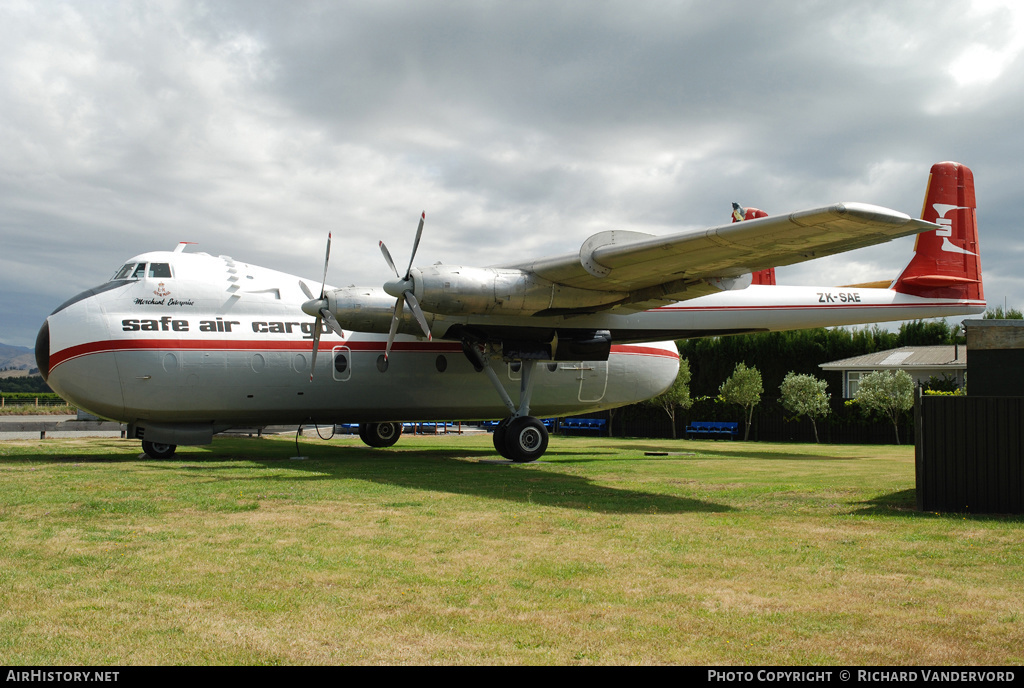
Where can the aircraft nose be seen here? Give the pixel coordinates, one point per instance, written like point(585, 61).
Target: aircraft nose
point(43, 350)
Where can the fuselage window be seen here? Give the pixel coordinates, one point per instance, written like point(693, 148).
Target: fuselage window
point(140, 271)
point(160, 270)
point(341, 363)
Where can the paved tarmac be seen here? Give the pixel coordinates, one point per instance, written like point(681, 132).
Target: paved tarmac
point(54, 427)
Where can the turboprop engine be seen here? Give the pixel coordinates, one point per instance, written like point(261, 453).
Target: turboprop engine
point(459, 290)
point(366, 310)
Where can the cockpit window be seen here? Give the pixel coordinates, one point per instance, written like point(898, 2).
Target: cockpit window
point(159, 269)
point(125, 272)
point(140, 271)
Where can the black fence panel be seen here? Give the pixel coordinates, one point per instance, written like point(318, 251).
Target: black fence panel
point(969, 454)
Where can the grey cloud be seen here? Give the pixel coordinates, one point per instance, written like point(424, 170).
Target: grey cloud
point(256, 127)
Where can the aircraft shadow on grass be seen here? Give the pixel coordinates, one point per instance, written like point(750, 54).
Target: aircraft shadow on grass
point(441, 470)
point(446, 471)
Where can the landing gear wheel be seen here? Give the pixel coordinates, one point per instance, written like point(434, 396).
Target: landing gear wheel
point(156, 450)
point(499, 438)
point(526, 439)
point(380, 434)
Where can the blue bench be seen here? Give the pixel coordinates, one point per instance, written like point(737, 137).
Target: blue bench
point(582, 425)
point(713, 430)
point(410, 428)
point(429, 428)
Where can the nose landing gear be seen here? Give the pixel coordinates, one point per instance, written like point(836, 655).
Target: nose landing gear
point(158, 450)
point(380, 435)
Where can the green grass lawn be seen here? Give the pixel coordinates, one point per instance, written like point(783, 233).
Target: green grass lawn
point(739, 553)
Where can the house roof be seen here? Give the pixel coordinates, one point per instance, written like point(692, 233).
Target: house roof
point(905, 358)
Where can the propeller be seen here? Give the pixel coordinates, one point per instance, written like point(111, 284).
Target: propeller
point(401, 288)
point(319, 308)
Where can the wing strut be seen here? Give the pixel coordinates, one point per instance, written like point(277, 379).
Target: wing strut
point(483, 363)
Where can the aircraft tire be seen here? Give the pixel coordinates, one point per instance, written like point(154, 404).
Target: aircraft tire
point(499, 438)
point(380, 435)
point(526, 439)
point(156, 450)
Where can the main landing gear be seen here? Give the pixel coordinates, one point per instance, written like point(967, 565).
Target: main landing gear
point(520, 437)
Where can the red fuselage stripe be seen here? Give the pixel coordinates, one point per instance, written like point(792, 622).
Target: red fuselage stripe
point(303, 346)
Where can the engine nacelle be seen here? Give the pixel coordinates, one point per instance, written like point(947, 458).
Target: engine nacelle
point(459, 290)
point(369, 310)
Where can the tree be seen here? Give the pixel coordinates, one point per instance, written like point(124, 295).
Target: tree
point(676, 396)
point(32, 383)
point(805, 395)
point(887, 392)
point(743, 388)
point(947, 383)
point(926, 333)
point(998, 314)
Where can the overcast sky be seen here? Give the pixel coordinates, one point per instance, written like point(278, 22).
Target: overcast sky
point(254, 128)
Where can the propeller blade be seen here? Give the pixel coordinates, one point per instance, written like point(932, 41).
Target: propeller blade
point(394, 328)
point(416, 244)
point(316, 345)
point(387, 257)
point(414, 306)
point(318, 307)
point(332, 322)
point(327, 258)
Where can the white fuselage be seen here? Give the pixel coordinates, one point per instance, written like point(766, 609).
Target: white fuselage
point(227, 343)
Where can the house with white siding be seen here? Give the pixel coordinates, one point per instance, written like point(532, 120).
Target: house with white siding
point(921, 362)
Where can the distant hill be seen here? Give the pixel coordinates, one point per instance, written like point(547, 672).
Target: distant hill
point(16, 358)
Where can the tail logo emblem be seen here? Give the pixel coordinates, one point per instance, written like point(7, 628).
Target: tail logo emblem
point(946, 230)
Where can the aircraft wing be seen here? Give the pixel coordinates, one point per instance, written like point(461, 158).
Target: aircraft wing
point(650, 268)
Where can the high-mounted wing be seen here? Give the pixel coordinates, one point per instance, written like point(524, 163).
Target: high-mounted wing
point(621, 271)
point(645, 267)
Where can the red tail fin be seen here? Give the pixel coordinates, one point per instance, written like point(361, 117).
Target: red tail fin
point(739, 214)
point(946, 262)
